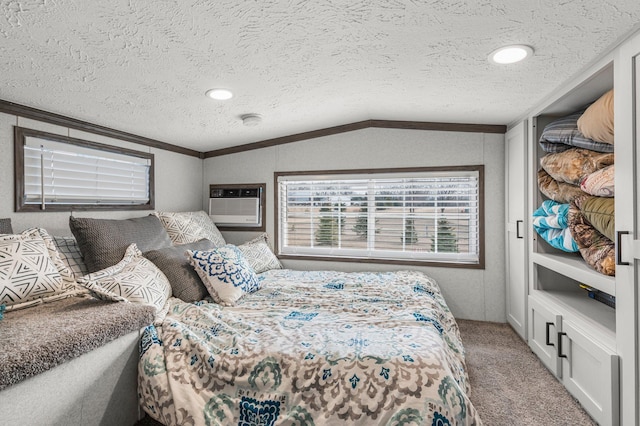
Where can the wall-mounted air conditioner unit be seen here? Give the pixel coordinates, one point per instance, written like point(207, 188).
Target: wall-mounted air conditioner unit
point(234, 206)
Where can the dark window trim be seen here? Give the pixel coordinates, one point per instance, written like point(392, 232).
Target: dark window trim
point(72, 123)
point(20, 135)
point(263, 206)
point(481, 245)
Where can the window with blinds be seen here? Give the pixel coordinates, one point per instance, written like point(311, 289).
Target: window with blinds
point(61, 173)
point(424, 215)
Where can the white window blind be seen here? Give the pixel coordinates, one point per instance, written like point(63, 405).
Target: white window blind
point(59, 173)
point(421, 216)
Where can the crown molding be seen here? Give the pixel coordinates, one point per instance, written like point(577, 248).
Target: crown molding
point(386, 124)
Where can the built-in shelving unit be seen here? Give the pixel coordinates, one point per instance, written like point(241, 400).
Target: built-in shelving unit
point(591, 347)
point(574, 335)
point(564, 272)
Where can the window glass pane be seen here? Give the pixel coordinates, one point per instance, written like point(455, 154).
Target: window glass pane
point(430, 216)
point(61, 171)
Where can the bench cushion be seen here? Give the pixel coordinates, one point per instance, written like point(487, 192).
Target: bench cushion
point(39, 338)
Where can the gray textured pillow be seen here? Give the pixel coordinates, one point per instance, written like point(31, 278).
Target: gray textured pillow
point(185, 282)
point(103, 242)
point(5, 226)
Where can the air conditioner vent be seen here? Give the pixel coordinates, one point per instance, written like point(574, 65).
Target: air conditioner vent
point(236, 206)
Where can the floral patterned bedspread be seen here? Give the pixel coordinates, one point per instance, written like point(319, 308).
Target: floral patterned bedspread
point(310, 348)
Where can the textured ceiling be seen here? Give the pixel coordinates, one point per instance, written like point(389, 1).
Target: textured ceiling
point(143, 66)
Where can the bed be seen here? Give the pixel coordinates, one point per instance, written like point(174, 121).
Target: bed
point(250, 343)
point(310, 347)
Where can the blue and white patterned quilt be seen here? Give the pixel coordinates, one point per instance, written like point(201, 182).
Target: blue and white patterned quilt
point(310, 348)
point(550, 222)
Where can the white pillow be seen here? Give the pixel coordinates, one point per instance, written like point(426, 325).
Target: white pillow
point(134, 279)
point(66, 273)
point(189, 227)
point(26, 271)
point(31, 270)
point(259, 254)
point(225, 272)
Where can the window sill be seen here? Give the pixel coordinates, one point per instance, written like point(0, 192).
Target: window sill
point(385, 261)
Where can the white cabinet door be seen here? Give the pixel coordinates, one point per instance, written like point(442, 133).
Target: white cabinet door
point(544, 326)
point(627, 160)
point(590, 373)
point(516, 262)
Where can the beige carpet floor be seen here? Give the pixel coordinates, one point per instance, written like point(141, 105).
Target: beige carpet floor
point(509, 384)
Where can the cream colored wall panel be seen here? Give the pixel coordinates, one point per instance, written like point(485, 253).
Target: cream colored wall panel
point(494, 188)
point(178, 181)
point(6, 164)
point(380, 148)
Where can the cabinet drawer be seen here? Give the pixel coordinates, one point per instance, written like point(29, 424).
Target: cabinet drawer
point(590, 373)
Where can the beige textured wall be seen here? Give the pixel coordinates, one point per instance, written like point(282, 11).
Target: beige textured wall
point(470, 293)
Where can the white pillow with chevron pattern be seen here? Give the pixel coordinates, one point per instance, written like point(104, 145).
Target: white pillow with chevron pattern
point(189, 227)
point(225, 273)
point(31, 271)
point(134, 279)
point(66, 273)
point(259, 254)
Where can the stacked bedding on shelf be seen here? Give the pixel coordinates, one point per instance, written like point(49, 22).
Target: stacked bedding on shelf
point(577, 175)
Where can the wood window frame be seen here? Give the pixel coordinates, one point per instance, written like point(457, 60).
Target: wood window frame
point(481, 237)
point(20, 135)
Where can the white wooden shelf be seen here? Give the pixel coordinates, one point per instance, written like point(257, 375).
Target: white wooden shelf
point(575, 268)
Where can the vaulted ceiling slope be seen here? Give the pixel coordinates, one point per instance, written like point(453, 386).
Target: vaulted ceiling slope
point(144, 66)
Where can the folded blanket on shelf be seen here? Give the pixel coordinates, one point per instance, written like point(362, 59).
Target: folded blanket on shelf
point(597, 250)
point(560, 192)
point(600, 183)
point(574, 164)
point(600, 213)
point(563, 133)
point(550, 222)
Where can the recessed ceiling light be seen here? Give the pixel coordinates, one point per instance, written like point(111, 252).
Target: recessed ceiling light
point(251, 119)
point(219, 94)
point(510, 54)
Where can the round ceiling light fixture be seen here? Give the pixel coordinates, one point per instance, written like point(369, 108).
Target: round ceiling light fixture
point(251, 119)
point(510, 54)
point(219, 94)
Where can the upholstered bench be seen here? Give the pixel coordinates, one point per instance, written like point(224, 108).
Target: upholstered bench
point(71, 362)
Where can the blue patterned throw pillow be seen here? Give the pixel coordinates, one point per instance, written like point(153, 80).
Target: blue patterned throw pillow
point(225, 272)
